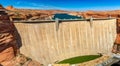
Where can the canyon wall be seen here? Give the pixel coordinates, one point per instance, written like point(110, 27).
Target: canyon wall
point(42, 42)
point(8, 43)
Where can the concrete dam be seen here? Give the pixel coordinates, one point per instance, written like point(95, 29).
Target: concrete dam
point(50, 41)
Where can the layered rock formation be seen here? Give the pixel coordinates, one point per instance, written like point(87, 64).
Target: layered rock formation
point(8, 44)
point(1, 7)
point(10, 8)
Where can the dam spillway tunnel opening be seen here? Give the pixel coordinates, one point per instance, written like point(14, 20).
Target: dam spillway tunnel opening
point(44, 44)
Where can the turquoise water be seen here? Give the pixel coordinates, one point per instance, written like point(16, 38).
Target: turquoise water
point(65, 16)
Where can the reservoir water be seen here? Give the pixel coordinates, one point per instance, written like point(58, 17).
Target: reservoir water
point(65, 16)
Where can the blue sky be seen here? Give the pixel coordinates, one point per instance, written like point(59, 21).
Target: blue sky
point(77, 5)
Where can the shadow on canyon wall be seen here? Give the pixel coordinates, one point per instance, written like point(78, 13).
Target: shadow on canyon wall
point(118, 26)
point(18, 39)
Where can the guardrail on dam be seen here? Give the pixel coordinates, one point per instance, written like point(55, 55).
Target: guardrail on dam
point(42, 42)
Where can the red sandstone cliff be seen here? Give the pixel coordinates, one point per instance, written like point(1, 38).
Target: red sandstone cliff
point(1, 7)
point(8, 44)
point(10, 8)
point(9, 49)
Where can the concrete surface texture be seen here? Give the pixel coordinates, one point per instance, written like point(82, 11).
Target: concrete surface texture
point(41, 41)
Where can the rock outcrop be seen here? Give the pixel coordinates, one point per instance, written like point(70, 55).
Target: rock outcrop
point(10, 8)
point(1, 7)
point(8, 43)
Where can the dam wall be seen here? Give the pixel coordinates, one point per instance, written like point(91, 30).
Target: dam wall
point(49, 42)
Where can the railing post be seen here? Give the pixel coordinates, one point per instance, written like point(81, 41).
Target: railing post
point(57, 24)
point(91, 20)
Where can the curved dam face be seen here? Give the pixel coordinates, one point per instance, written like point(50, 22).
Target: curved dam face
point(42, 42)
